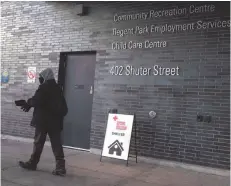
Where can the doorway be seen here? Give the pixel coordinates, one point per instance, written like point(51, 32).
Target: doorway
point(76, 76)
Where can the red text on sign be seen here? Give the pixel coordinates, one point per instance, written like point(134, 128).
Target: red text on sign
point(120, 125)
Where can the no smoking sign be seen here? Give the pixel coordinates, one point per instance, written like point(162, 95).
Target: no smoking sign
point(31, 74)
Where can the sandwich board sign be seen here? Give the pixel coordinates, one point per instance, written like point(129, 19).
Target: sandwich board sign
point(118, 136)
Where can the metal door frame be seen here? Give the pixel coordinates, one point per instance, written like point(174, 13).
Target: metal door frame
point(62, 76)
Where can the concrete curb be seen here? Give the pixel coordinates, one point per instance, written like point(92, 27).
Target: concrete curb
point(207, 170)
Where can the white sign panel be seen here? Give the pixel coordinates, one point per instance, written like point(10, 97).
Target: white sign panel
point(118, 136)
point(31, 74)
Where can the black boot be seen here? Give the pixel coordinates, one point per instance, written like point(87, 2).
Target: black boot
point(28, 165)
point(60, 168)
point(59, 172)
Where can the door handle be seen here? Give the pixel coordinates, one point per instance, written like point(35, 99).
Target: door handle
point(79, 86)
point(91, 90)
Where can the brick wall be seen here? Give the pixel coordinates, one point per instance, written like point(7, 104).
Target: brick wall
point(34, 34)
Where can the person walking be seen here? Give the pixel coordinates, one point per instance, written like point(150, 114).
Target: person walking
point(49, 109)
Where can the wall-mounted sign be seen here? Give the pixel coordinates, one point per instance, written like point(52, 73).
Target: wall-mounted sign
point(5, 76)
point(118, 136)
point(31, 74)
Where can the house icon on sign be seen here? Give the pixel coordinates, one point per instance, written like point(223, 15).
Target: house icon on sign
point(116, 147)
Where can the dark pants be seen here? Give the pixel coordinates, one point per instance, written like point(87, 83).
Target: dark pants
point(56, 144)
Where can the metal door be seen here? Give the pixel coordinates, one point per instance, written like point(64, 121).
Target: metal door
point(78, 91)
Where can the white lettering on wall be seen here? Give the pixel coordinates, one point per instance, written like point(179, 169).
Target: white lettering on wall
point(161, 71)
point(123, 32)
point(172, 28)
point(156, 70)
point(212, 24)
point(155, 13)
point(155, 44)
point(147, 30)
point(128, 17)
point(138, 45)
point(165, 13)
point(201, 9)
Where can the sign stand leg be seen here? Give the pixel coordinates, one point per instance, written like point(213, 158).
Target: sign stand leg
point(135, 137)
point(135, 141)
point(128, 154)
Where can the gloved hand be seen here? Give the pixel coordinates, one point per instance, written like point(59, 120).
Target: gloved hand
point(26, 108)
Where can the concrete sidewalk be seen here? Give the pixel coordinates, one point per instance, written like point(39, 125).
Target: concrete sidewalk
point(85, 169)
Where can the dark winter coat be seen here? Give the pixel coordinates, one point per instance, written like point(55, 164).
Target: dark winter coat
point(46, 94)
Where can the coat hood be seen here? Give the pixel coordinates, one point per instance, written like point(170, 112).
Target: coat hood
point(47, 74)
